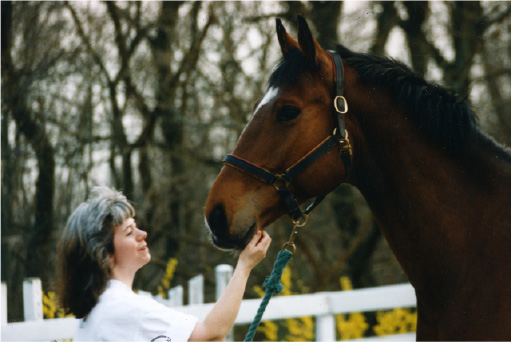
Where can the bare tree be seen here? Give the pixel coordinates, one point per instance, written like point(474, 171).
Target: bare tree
point(31, 52)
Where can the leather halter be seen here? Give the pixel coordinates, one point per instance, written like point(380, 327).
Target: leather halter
point(281, 181)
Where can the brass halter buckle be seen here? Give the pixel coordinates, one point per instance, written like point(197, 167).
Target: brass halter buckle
point(296, 225)
point(345, 145)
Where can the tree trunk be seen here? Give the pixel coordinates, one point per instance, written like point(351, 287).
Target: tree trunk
point(38, 258)
point(326, 15)
point(386, 20)
point(467, 31)
point(413, 27)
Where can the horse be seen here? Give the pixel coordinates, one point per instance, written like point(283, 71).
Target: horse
point(438, 187)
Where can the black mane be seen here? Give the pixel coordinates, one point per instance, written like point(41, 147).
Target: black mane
point(436, 110)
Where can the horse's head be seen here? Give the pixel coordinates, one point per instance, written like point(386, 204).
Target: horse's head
point(293, 118)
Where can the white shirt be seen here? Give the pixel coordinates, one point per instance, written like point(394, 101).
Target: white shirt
point(122, 315)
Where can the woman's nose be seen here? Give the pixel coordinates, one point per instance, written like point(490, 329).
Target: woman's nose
point(142, 234)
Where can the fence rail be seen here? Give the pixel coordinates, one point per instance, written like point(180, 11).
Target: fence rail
point(322, 305)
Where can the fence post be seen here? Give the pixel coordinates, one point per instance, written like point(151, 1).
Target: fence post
point(176, 296)
point(195, 290)
point(223, 274)
point(325, 328)
point(4, 303)
point(32, 299)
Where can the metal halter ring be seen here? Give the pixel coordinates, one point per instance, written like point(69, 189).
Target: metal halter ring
point(297, 224)
point(280, 181)
point(345, 104)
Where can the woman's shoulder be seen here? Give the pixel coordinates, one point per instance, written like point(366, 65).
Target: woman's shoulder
point(116, 290)
point(118, 298)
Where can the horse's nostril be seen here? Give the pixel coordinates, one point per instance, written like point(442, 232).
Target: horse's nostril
point(218, 221)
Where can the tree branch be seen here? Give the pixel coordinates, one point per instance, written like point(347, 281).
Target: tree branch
point(86, 41)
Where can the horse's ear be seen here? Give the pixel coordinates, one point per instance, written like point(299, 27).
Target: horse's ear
point(309, 46)
point(285, 40)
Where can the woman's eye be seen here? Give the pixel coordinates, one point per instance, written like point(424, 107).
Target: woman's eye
point(287, 113)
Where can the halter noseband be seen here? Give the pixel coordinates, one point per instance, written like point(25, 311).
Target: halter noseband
point(281, 181)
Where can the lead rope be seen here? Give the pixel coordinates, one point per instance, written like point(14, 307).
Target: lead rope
point(273, 284)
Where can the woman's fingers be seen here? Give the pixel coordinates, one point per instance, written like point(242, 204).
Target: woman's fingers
point(256, 249)
point(265, 240)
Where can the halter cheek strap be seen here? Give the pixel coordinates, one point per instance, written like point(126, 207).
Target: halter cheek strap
point(340, 103)
point(341, 108)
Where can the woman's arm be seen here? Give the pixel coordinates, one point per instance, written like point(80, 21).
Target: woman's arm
point(221, 318)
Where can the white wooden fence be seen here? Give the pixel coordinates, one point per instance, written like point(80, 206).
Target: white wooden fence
point(322, 305)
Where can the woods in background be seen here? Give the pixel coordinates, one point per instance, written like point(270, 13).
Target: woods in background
point(147, 97)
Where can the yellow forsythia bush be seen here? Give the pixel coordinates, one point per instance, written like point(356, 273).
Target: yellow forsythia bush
point(396, 321)
point(165, 283)
point(51, 307)
point(293, 329)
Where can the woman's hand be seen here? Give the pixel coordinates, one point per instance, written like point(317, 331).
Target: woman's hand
point(255, 251)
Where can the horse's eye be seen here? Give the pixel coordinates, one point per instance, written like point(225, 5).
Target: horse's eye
point(287, 113)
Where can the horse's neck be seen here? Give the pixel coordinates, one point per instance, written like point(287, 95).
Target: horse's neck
point(427, 203)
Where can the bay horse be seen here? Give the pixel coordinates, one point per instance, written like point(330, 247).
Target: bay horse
point(438, 187)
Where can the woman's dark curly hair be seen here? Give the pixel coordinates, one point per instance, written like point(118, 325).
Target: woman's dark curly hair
point(85, 249)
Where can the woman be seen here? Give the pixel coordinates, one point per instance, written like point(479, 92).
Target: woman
point(99, 253)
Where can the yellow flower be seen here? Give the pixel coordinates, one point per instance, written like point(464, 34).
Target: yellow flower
point(296, 329)
point(351, 326)
point(345, 283)
point(51, 307)
point(300, 329)
point(269, 329)
point(165, 282)
point(397, 321)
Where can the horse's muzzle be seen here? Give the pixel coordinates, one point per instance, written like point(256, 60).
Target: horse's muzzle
point(217, 222)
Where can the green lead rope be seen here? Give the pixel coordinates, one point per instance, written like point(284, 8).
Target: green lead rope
point(272, 286)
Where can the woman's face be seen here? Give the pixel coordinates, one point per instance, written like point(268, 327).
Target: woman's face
point(130, 248)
